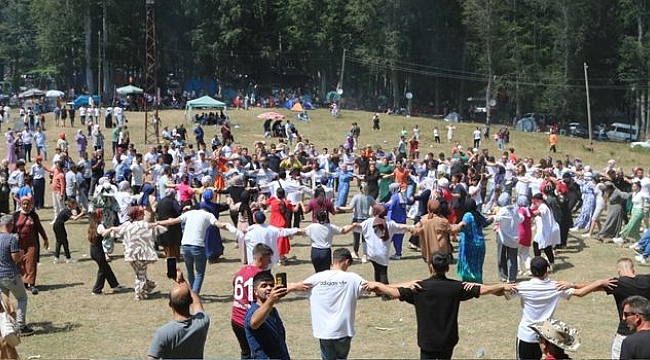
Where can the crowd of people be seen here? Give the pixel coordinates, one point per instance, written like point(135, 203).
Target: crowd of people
point(169, 199)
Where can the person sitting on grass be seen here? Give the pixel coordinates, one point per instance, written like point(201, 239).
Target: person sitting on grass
point(71, 211)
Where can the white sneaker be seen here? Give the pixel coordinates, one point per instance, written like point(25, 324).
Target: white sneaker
point(633, 246)
point(618, 241)
point(586, 235)
point(574, 229)
point(70, 261)
point(55, 260)
point(364, 258)
point(640, 259)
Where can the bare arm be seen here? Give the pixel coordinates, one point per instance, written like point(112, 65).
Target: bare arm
point(169, 222)
point(262, 313)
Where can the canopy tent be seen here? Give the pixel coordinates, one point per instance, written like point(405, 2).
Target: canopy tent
point(129, 89)
point(526, 125)
point(31, 93)
point(297, 107)
point(204, 102)
point(54, 93)
point(85, 100)
point(453, 117)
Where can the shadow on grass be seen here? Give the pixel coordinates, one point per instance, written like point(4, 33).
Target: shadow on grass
point(47, 327)
point(50, 287)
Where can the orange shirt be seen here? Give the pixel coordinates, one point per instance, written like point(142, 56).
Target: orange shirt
point(401, 177)
point(58, 182)
point(553, 139)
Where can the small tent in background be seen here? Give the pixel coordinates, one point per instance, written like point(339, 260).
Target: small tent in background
point(527, 124)
point(453, 117)
point(297, 107)
point(85, 100)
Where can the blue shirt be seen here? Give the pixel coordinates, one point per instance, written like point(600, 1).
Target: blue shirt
point(269, 340)
point(8, 246)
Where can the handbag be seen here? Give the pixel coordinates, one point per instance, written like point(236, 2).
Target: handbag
point(8, 327)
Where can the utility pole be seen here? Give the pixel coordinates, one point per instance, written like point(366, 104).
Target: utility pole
point(588, 104)
point(104, 44)
point(151, 133)
point(340, 86)
point(99, 65)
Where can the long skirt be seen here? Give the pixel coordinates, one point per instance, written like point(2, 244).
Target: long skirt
point(631, 230)
point(471, 255)
point(588, 206)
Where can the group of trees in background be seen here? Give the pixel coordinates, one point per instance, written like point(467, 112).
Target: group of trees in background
point(518, 55)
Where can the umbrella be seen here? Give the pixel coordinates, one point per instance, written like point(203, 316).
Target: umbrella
point(129, 89)
point(54, 93)
point(270, 115)
point(31, 93)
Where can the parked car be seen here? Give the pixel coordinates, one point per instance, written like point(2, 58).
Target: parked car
point(580, 131)
point(640, 144)
point(622, 132)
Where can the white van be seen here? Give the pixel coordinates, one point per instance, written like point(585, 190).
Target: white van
point(622, 132)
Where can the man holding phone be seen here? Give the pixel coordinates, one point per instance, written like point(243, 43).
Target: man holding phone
point(264, 328)
point(184, 337)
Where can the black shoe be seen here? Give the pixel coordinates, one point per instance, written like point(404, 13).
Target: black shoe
point(25, 330)
point(34, 290)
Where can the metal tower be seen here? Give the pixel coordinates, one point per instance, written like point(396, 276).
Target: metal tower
point(151, 128)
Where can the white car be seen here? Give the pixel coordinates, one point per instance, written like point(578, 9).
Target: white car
point(643, 144)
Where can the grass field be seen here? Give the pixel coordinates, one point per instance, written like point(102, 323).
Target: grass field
point(70, 323)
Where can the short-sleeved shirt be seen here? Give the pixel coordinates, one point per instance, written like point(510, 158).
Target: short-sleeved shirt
point(333, 302)
point(181, 339)
point(8, 246)
point(243, 293)
point(196, 224)
point(539, 298)
point(70, 182)
point(636, 346)
point(316, 208)
point(629, 286)
point(62, 217)
point(361, 206)
point(436, 310)
point(269, 341)
point(322, 235)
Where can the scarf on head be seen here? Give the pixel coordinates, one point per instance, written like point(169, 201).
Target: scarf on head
point(379, 224)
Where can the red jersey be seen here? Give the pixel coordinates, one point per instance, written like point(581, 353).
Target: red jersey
point(243, 293)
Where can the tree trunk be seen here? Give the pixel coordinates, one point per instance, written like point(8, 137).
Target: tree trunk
point(88, 30)
point(565, 23)
point(488, 54)
point(394, 84)
point(105, 66)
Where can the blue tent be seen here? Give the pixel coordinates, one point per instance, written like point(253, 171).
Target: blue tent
point(84, 100)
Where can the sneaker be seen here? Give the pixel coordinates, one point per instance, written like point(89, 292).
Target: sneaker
point(633, 246)
point(396, 257)
point(618, 241)
point(640, 259)
point(94, 293)
point(25, 330)
point(574, 229)
point(364, 258)
point(149, 287)
point(55, 260)
point(120, 288)
point(70, 261)
point(355, 255)
point(586, 235)
point(34, 290)
point(637, 251)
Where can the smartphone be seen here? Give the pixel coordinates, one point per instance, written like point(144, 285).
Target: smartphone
point(171, 268)
point(281, 279)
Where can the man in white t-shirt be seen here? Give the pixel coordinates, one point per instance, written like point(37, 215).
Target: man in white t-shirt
point(196, 224)
point(137, 174)
point(151, 158)
point(333, 298)
point(539, 298)
point(477, 138)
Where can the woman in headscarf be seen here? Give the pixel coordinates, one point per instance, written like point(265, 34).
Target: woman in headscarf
point(588, 189)
point(82, 142)
point(507, 222)
point(169, 208)
point(396, 207)
point(617, 200)
point(525, 233)
point(385, 172)
point(434, 231)
point(601, 198)
point(138, 239)
point(147, 201)
point(378, 233)
point(28, 226)
point(547, 230)
point(471, 248)
point(10, 141)
point(213, 242)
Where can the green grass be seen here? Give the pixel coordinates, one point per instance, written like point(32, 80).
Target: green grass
point(71, 323)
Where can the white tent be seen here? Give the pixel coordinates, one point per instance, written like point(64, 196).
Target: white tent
point(204, 102)
point(129, 89)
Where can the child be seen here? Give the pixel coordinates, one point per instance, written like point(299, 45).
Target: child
point(436, 135)
point(71, 211)
point(416, 132)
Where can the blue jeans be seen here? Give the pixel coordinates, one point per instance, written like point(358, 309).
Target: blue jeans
point(194, 256)
point(335, 349)
point(644, 244)
point(15, 286)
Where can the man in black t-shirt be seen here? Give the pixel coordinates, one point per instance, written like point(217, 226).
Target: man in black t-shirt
point(629, 284)
point(437, 301)
point(636, 312)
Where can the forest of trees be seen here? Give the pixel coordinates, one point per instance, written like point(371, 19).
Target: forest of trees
point(519, 55)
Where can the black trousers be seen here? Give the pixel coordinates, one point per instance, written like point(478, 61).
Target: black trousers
point(104, 271)
point(381, 272)
point(528, 351)
point(61, 240)
point(240, 333)
point(436, 354)
point(357, 236)
point(321, 259)
point(547, 250)
point(293, 219)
